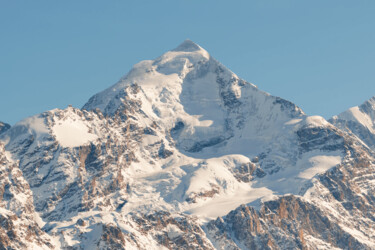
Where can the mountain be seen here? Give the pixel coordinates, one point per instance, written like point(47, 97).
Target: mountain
point(360, 121)
point(4, 127)
point(18, 219)
point(182, 153)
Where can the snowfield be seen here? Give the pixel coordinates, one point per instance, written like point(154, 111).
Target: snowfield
point(72, 133)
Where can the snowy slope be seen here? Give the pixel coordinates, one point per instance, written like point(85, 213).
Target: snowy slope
point(161, 158)
point(359, 120)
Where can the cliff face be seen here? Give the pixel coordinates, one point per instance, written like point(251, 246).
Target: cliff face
point(181, 153)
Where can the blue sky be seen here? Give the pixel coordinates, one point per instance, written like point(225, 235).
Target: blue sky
point(317, 54)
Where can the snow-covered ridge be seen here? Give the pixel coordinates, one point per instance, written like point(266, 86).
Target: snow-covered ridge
point(359, 120)
point(174, 63)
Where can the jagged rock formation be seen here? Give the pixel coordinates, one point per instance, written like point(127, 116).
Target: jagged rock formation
point(181, 153)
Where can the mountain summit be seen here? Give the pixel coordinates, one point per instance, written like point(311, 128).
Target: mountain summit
point(174, 64)
point(203, 102)
point(188, 46)
point(181, 153)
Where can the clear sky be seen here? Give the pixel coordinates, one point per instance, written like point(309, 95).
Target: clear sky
point(318, 54)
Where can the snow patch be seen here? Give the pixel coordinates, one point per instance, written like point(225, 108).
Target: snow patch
point(222, 205)
point(72, 133)
point(173, 231)
point(293, 121)
point(316, 121)
point(317, 165)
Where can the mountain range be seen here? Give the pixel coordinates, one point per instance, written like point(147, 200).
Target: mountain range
point(183, 154)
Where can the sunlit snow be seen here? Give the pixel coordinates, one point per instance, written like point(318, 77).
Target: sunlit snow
point(355, 114)
point(70, 133)
point(317, 165)
point(223, 204)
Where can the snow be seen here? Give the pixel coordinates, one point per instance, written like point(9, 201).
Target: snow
point(317, 164)
point(356, 115)
point(154, 75)
point(72, 133)
point(316, 121)
point(181, 86)
point(224, 203)
point(188, 86)
point(315, 243)
point(208, 174)
point(36, 124)
point(293, 121)
point(4, 212)
point(292, 179)
point(150, 139)
point(360, 236)
point(188, 46)
point(173, 231)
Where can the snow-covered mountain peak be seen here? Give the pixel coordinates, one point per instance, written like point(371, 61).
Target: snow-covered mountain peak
point(196, 99)
point(188, 46)
point(182, 135)
point(167, 71)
